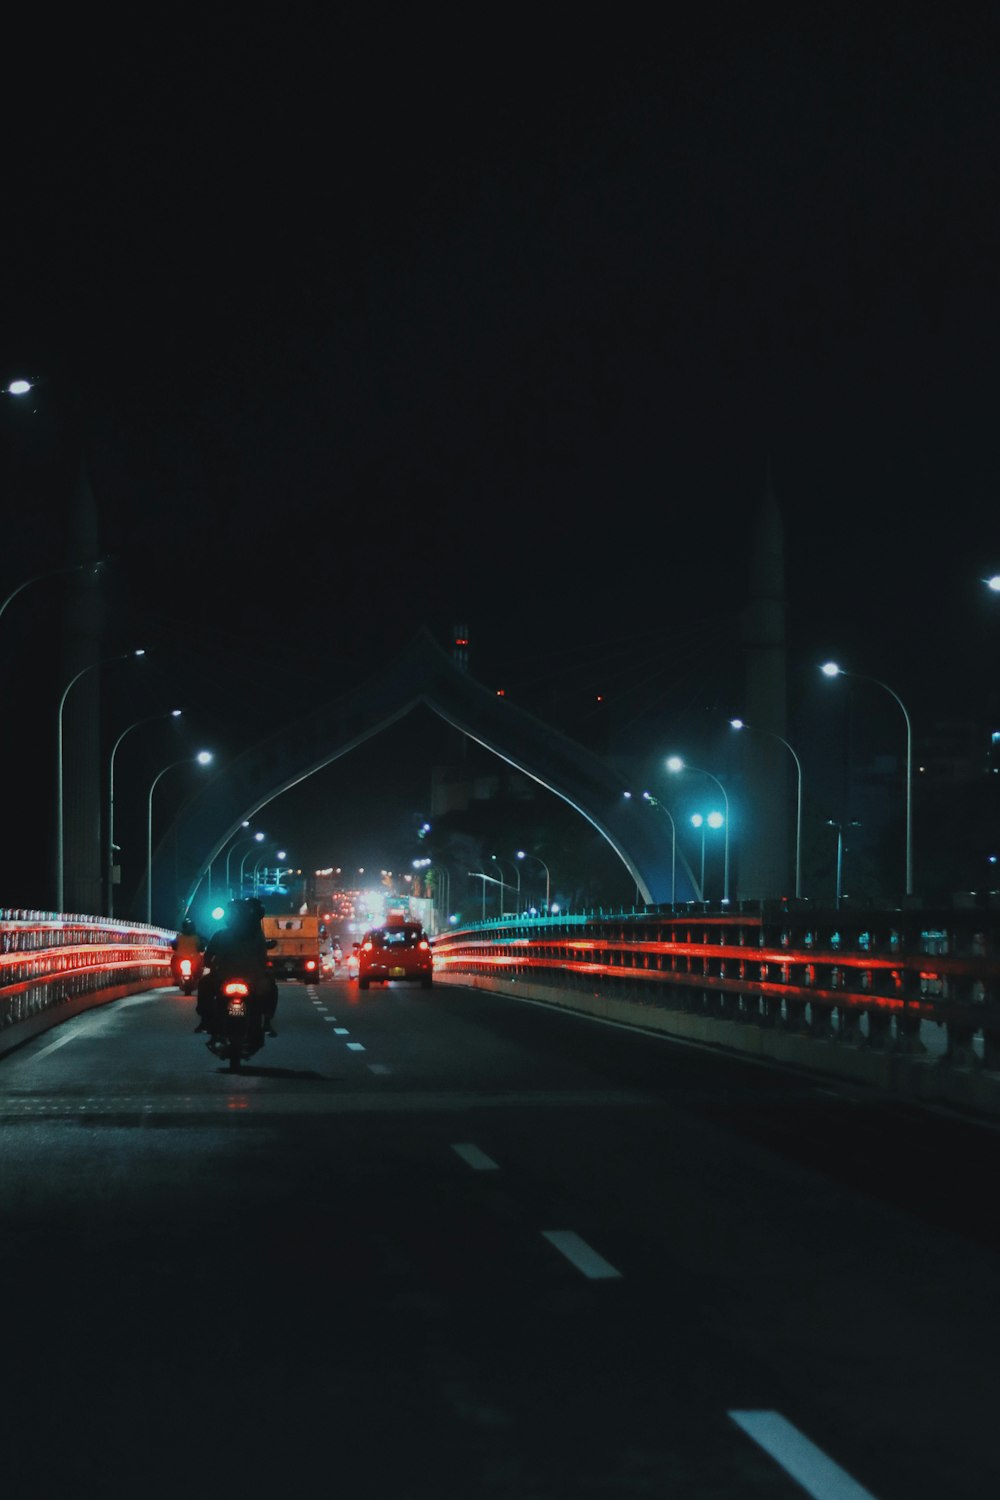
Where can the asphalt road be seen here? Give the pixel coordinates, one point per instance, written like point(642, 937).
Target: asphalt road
point(443, 1244)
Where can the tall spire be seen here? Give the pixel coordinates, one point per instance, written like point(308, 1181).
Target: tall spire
point(765, 856)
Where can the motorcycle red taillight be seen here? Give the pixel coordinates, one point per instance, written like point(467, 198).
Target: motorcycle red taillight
point(186, 967)
point(236, 987)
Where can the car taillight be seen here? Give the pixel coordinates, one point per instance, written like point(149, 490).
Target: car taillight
point(236, 987)
point(367, 947)
point(310, 963)
point(424, 944)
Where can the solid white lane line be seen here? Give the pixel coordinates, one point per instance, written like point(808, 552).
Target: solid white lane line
point(476, 1159)
point(355, 1047)
point(377, 1068)
point(579, 1254)
point(59, 1042)
point(818, 1475)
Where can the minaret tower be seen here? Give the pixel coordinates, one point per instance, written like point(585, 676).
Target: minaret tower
point(766, 866)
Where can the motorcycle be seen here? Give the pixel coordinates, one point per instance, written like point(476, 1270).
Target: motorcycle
point(186, 971)
point(239, 1025)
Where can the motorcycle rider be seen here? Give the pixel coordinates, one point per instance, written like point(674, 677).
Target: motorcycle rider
point(238, 946)
point(188, 943)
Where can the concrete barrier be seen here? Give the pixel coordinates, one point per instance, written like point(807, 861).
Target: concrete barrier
point(918, 1079)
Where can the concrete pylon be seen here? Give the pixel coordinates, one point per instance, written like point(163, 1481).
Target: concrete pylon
point(82, 623)
point(766, 861)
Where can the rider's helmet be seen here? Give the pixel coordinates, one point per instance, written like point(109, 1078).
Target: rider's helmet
point(187, 927)
point(247, 913)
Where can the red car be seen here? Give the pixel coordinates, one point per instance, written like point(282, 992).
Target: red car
point(397, 951)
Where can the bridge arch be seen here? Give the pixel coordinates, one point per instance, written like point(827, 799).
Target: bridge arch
point(424, 674)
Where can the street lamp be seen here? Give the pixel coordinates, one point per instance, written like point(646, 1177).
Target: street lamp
point(49, 573)
point(831, 669)
point(832, 823)
point(655, 802)
point(60, 820)
point(698, 820)
point(523, 854)
point(174, 713)
point(257, 838)
point(279, 855)
point(203, 758)
point(675, 764)
point(431, 864)
point(481, 875)
point(518, 888)
point(740, 724)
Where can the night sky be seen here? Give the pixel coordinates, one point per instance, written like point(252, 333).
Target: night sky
point(371, 325)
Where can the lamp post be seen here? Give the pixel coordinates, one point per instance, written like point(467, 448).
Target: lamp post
point(831, 669)
point(832, 823)
point(203, 758)
point(257, 838)
point(523, 854)
point(699, 820)
point(655, 802)
point(174, 713)
point(517, 874)
point(431, 864)
point(60, 817)
point(49, 573)
point(740, 724)
point(676, 764)
point(481, 875)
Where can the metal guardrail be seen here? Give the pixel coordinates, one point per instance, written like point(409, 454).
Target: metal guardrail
point(871, 979)
point(47, 959)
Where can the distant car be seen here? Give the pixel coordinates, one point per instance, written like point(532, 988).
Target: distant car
point(397, 951)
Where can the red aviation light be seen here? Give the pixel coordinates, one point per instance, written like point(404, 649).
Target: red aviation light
point(236, 987)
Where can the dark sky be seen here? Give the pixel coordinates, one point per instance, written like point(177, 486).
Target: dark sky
point(379, 323)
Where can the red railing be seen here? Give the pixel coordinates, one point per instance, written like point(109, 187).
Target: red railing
point(47, 960)
point(871, 979)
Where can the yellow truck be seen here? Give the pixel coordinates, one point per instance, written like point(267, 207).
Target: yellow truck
point(300, 942)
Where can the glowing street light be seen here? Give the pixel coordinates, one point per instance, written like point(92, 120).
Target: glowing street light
point(523, 854)
point(203, 758)
point(739, 724)
point(257, 838)
point(831, 669)
point(676, 764)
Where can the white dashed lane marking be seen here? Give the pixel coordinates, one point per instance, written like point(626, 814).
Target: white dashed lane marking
point(818, 1475)
point(580, 1254)
point(377, 1068)
point(476, 1159)
point(355, 1047)
point(341, 1031)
